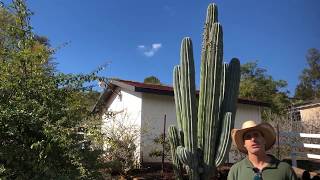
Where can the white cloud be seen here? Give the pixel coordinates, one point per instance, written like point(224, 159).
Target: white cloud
point(141, 47)
point(156, 46)
point(149, 52)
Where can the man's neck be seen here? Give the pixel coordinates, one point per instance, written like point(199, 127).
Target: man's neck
point(259, 160)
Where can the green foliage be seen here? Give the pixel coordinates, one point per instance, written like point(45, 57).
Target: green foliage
point(152, 80)
point(40, 109)
point(309, 85)
point(90, 98)
point(256, 84)
point(158, 140)
point(120, 155)
point(120, 139)
point(6, 20)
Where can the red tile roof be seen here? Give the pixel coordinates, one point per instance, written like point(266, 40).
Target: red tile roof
point(150, 88)
point(168, 90)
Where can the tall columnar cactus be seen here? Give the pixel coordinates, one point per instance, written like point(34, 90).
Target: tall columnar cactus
point(202, 139)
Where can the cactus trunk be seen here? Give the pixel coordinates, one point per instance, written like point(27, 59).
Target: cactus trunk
point(205, 129)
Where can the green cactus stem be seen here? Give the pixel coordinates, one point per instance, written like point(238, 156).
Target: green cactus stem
point(204, 126)
point(174, 141)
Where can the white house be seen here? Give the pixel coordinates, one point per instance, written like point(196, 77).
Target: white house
point(145, 106)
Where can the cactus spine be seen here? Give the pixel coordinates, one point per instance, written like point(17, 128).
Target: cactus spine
point(202, 139)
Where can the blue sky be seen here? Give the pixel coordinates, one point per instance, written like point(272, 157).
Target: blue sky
point(142, 37)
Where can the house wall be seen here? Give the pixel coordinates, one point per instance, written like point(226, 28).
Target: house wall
point(247, 112)
point(154, 107)
point(127, 109)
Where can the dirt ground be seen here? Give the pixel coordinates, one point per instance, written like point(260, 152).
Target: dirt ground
point(152, 174)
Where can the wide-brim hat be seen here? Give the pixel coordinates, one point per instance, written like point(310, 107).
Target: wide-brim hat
point(265, 128)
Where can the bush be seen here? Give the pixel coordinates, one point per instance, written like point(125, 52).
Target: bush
point(120, 143)
point(40, 109)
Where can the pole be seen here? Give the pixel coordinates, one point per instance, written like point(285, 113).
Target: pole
point(164, 140)
point(278, 132)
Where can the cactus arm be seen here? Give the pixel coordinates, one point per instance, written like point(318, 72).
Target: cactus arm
point(174, 141)
point(232, 87)
point(224, 144)
point(211, 127)
point(228, 106)
point(177, 95)
point(184, 155)
point(212, 17)
point(187, 89)
point(223, 82)
point(189, 110)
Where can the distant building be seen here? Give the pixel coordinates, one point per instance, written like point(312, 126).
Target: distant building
point(306, 111)
point(145, 105)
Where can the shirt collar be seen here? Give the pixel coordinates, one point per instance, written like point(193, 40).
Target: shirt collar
point(273, 164)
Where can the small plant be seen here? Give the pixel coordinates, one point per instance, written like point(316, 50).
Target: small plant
point(157, 152)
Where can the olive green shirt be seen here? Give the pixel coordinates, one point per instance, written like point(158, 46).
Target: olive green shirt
point(276, 170)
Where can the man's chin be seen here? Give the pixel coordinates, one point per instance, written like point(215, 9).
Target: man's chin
point(256, 150)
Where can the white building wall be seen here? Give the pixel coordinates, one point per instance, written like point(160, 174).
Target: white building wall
point(154, 107)
point(127, 109)
point(247, 112)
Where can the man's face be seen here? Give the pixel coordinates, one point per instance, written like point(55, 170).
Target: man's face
point(254, 142)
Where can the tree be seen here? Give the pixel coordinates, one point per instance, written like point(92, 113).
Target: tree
point(152, 80)
point(256, 84)
point(309, 85)
point(41, 110)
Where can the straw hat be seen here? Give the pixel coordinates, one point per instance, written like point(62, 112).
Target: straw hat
point(265, 128)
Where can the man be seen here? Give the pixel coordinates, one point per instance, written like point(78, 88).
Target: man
point(254, 140)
